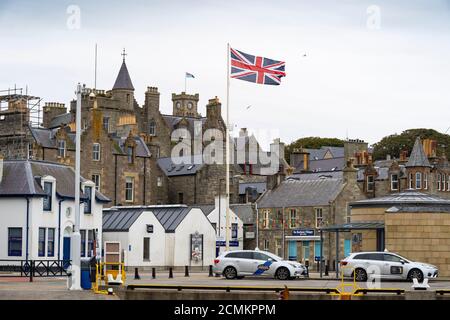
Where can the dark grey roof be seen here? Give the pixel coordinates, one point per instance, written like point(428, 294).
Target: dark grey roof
point(180, 166)
point(259, 186)
point(206, 208)
point(323, 165)
point(306, 193)
point(120, 219)
point(60, 120)
point(418, 208)
point(367, 225)
point(44, 137)
point(123, 80)
point(316, 175)
point(19, 179)
point(407, 197)
point(141, 147)
point(418, 157)
point(244, 212)
point(383, 173)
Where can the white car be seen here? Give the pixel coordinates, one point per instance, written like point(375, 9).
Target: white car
point(385, 265)
point(240, 263)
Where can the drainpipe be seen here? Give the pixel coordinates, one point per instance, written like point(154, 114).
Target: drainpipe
point(115, 179)
point(59, 228)
point(28, 229)
point(145, 173)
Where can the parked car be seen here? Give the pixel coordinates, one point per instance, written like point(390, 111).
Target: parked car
point(386, 265)
point(240, 263)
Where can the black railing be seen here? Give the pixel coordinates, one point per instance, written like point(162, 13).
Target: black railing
point(34, 268)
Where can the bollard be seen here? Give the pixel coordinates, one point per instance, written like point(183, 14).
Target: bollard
point(136, 274)
point(170, 273)
point(210, 270)
point(31, 271)
point(153, 273)
point(186, 271)
point(326, 270)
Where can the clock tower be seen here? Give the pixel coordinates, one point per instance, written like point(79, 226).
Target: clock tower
point(185, 105)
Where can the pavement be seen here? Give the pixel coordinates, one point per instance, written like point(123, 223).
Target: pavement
point(16, 288)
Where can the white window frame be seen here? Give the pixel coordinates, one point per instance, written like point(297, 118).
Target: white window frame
point(316, 213)
point(293, 218)
point(371, 184)
point(129, 180)
point(159, 182)
point(152, 128)
point(107, 123)
point(266, 244)
point(96, 153)
point(425, 181)
point(418, 180)
point(62, 150)
point(392, 182)
point(96, 181)
point(411, 177)
point(266, 222)
point(439, 177)
point(444, 181)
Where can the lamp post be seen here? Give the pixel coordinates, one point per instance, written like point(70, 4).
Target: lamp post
point(76, 236)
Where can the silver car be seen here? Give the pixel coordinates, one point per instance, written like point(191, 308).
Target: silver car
point(385, 265)
point(240, 263)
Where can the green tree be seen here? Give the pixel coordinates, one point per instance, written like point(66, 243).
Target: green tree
point(312, 143)
point(393, 144)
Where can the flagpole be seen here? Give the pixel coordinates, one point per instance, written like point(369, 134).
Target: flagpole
point(227, 152)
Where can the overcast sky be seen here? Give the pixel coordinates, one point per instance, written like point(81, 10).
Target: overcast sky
point(372, 68)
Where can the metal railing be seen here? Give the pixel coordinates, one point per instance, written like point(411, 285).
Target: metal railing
point(34, 268)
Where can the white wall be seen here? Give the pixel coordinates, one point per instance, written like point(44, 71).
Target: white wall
point(195, 221)
point(214, 218)
point(13, 214)
point(157, 241)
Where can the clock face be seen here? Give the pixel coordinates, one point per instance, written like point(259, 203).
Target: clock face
point(178, 105)
point(190, 105)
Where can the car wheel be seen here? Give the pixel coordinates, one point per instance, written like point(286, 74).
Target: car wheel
point(360, 275)
point(230, 273)
point(415, 273)
point(282, 273)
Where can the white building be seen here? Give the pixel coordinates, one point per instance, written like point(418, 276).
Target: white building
point(161, 236)
point(37, 211)
point(236, 235)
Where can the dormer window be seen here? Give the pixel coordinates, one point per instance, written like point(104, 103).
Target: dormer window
point(48, 190)
point(394, 182)
point(62, 148)
point(130, 154)
point(88, 203)
point(370, 183)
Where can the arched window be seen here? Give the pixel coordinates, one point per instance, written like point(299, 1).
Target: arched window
point(152, 128)
point(418, 180)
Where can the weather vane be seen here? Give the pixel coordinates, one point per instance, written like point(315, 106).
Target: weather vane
point(124, 54)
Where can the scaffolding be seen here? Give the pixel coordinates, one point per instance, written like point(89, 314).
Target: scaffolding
point(18, 112)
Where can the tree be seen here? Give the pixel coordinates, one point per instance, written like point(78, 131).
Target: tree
point(312, 143)
point(393, 144)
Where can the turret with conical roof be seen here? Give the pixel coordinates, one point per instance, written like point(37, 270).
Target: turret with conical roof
point(123, 89)
point(418, 168)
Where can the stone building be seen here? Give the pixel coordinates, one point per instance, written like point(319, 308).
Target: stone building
point(124, 145)
point(292, 214)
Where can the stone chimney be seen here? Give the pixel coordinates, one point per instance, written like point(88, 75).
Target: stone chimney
point(403, 156)
point(213, 109)
point(353, 147)
point(350, 173)
point(300, 156)
point(243, 132)
point(52, 110)
point(430, 147)
point(152, 98)
point(1, 168)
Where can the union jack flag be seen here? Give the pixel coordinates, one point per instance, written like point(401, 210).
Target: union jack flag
point(256, 69)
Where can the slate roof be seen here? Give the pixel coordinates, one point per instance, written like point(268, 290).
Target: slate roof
point(172, 122)
point(60, 120)
point(418, 157)
point(244, 212)
point(44, 137)
point(323, 165)
point(317, 175)
point(180, 166)
point(368, 225)
point(260, 186)
point(123, 80)
point(120, 219)
point(306, 193)
point(141, 148)
point(408, 197)
point(19, 179)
